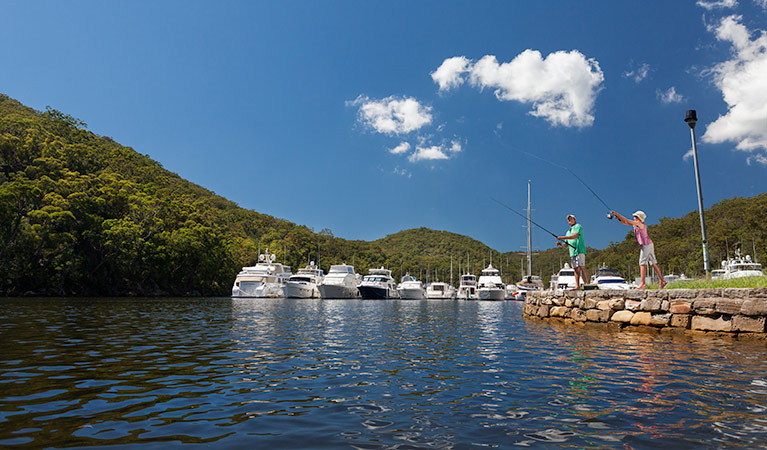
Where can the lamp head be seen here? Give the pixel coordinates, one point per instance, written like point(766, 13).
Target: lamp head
point(691, 118)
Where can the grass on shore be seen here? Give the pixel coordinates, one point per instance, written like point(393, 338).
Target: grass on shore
point(748, 282)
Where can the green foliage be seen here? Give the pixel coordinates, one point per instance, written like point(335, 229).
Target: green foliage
point(82, 215)
point(746, 282)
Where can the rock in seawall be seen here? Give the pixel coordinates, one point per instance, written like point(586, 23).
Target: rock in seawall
point(680, 307)
point(680, 320)
point(748, 324)
point(754, 307)
point(641, 318)
point(622, 316)
point(705, 323)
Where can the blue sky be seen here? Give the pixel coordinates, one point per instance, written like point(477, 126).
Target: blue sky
point(373, 117)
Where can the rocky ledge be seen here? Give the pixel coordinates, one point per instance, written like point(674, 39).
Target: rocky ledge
point(734, 312)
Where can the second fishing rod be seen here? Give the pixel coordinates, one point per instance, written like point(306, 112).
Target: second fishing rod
point(531, 220)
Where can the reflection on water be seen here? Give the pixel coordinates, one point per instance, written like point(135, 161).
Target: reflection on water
point(362, 374)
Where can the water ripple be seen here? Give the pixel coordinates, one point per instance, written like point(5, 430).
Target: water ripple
point(362, 374)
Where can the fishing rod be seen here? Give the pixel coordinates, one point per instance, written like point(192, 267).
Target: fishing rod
point(531, 220)
point(609, 214)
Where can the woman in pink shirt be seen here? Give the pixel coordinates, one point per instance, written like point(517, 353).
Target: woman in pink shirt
point(647, 254)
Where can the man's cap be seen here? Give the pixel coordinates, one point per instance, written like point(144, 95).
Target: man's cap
point(642, 216)
point(571, 215)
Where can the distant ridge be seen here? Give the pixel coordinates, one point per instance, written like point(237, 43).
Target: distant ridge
point(83, 215)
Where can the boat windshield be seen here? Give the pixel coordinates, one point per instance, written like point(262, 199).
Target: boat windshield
point(612, 281)
point(566, 273)
point(294, 278)
point(374, 279)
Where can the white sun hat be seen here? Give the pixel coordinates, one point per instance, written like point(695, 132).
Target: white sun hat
point(642, 216)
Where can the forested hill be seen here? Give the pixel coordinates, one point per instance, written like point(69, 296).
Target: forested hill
point(83, 215)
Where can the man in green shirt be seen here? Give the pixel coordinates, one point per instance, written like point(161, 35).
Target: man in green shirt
point(577, 246)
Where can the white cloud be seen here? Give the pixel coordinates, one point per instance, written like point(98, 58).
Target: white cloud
point(743, 84)
point(450, 73)
point(392, 115)
point(669, 96)
point(402, 172)
point(638, 74)
point(562, 87)
point(427, 153)
point(758, 158)
point(762, 3)
point(435, 152)
point(712, 4)
point(688, 155)
point(400, 149)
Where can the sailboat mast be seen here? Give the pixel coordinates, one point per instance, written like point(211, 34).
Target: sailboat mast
point(529, 236)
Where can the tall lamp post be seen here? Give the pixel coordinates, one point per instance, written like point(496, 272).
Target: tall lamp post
point(692, 118)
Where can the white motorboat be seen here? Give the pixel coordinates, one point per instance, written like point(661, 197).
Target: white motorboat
point(490, 286)
point(266, 279)
point(526, 284)
point(410, 288)
point(378, 284)
point(717, 274)
point(340, 282)
point(740, 267)
point(607, 278)
point(566, 278)
point(440, 290)
point(467, 290)
point(305, 284)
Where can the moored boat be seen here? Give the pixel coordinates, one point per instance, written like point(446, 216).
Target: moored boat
point(467, 290)
point(440, 290)
point(410, 288)
point(490, 286)
point(340, 282)
point(266, 279)
point(378, 284)
point(305, 283)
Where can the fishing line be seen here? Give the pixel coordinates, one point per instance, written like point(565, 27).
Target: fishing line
point(531, 220)
point(609, 215)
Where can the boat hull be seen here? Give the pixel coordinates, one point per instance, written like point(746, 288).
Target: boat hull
point(338, 291)
point(411, 294)
point(301, 291)
point(266, 290)
point(376, 293)
point(491, 294)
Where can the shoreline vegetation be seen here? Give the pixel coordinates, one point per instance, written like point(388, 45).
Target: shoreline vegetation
point(746, 282)
point(82, 215)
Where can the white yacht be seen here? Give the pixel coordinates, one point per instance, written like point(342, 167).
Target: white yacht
point(410, 288)
point(378, 284)
point(490, 286)
point(607, 278)
point(526, 284)
point(305, 284)
point(266, 279)
point(566, 278)
point(340, 282)
point(740, 267)
point(467, 290)
point(440, 290)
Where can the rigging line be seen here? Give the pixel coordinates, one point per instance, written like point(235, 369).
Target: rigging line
point(561, 167)
point(531, 220)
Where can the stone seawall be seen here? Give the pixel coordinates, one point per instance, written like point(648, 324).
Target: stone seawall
point(735, 312)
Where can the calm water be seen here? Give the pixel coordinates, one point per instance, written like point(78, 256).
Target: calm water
point(265, 373)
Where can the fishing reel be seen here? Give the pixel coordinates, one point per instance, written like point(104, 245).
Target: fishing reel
point(609, 216)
